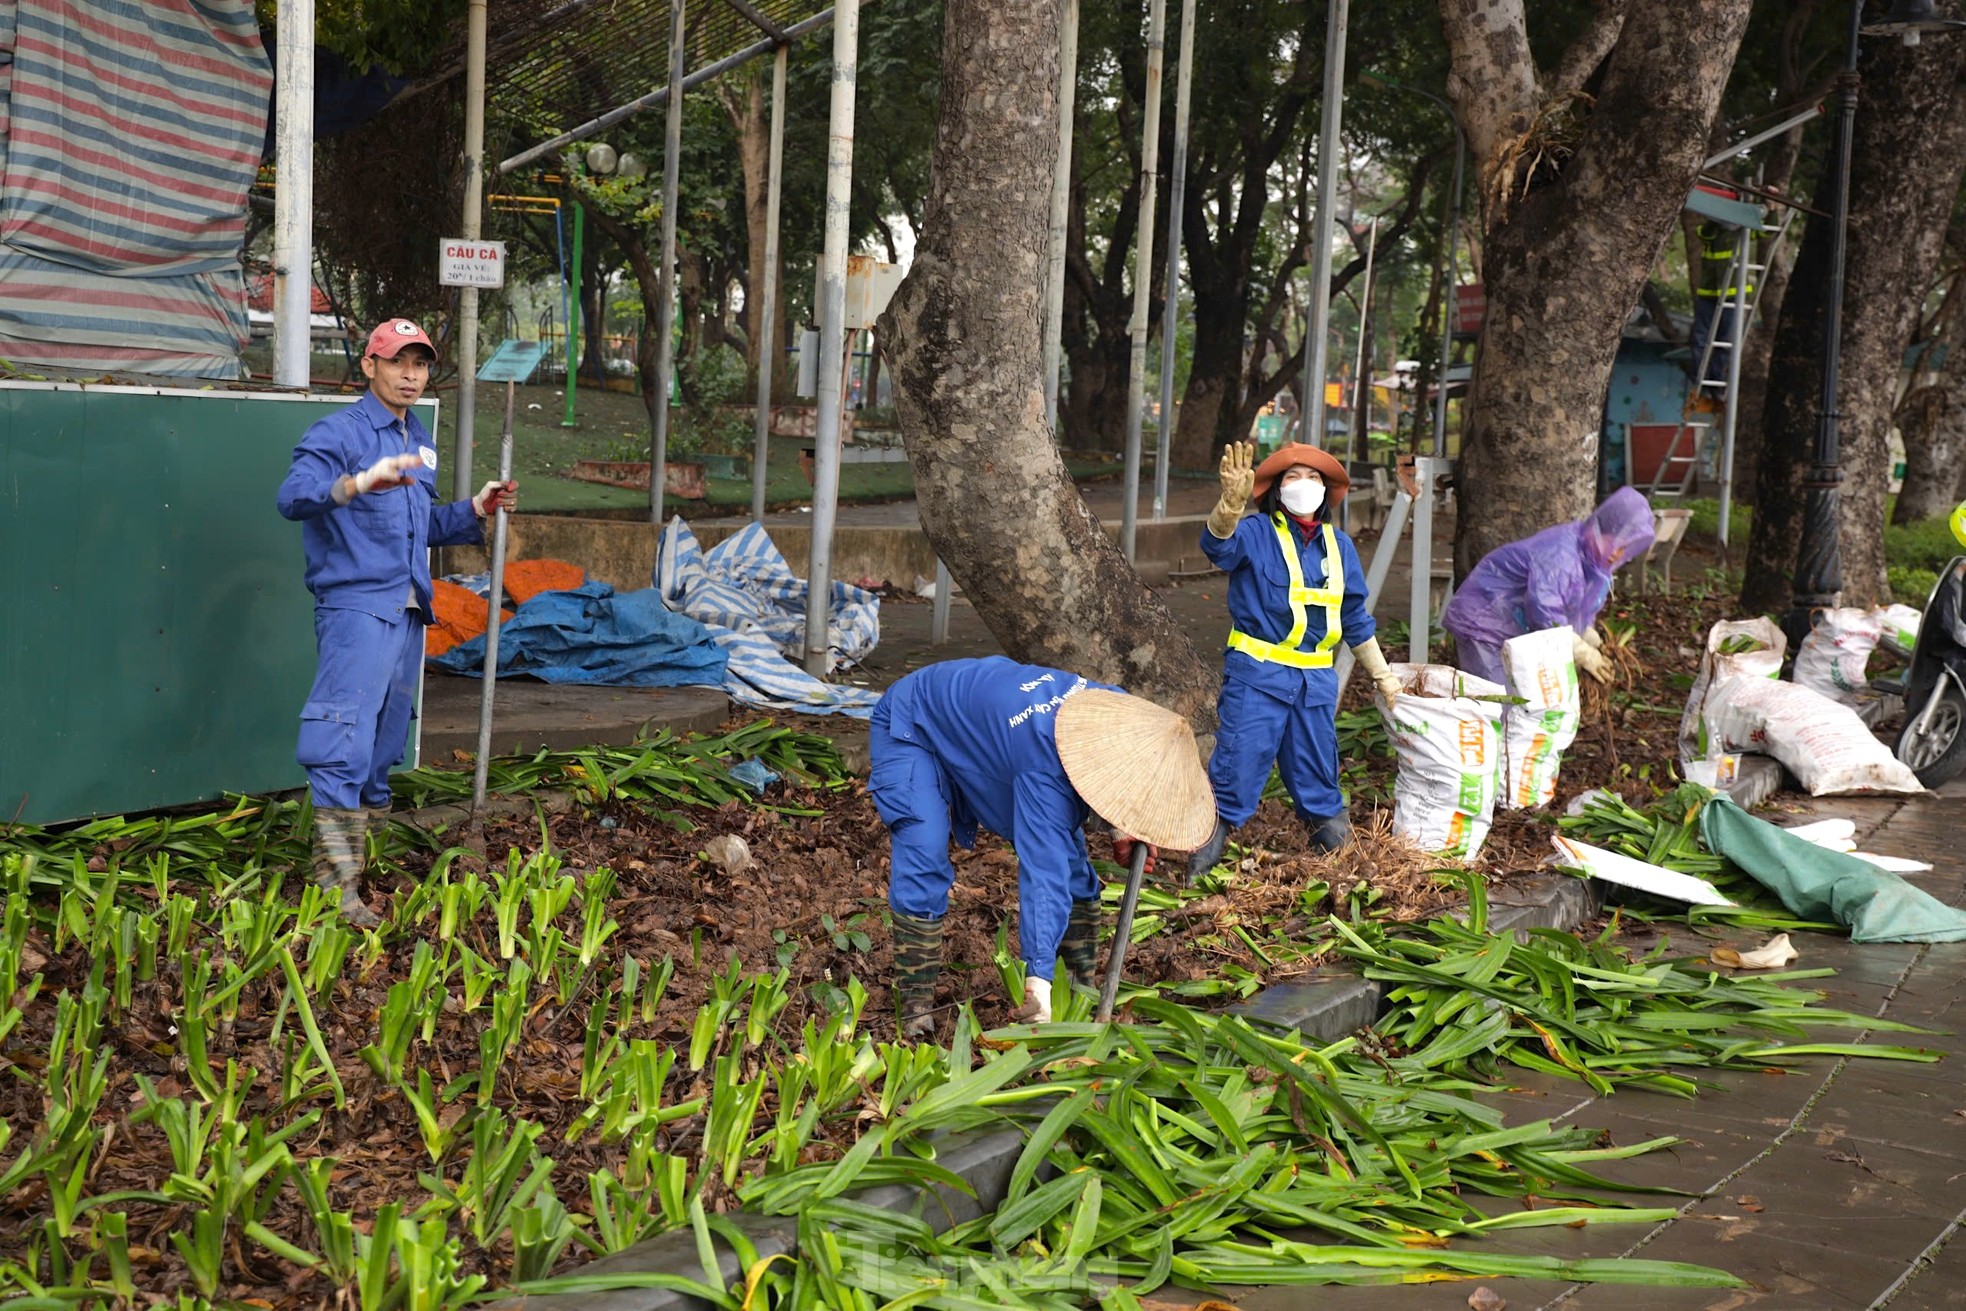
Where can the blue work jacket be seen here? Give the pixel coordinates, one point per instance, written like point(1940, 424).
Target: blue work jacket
point(1259, 604)
point(990, 724)
point(372, 553)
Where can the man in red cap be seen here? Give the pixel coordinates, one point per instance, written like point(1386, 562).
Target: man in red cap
point(1295, 589)
point(363, 486)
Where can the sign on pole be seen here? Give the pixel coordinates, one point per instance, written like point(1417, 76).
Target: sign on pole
point(462, 263)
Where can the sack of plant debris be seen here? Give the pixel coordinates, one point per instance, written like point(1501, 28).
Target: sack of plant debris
point(1535, 733)
point(1444, 729)
point(1899, 625)
point(1750, 648)
point(1824, 743)
point(1832, 659)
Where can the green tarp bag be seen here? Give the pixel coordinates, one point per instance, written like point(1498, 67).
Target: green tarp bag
point(1819, 884)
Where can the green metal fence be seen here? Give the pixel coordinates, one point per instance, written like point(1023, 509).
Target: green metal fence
point(156, 642)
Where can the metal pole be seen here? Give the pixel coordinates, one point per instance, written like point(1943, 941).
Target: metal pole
point(1315, 346)
point(1730, 409)
point(938, 609)
point(1171, 306)
point(1419, 613)
point(1819, 562)
point(1061, 197)
point(665, 295)
point(482, 765)
point(293, 196)
point(574, 309)
point(768, 309)
point(832, 334)
point(1447, 292)
point(474, 207)
point(1143, 276)
point(1116, 954)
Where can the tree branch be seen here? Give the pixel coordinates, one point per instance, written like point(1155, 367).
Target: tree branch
point(1587, 52)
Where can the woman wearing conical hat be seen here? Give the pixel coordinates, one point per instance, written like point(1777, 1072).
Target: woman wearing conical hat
point(1031, 754)
point(1295, 590)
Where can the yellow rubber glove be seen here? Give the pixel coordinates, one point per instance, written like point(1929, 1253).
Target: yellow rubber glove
point(1373, 661)
point(1238, 476)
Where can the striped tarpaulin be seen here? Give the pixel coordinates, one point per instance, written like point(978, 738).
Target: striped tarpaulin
point(133, 130)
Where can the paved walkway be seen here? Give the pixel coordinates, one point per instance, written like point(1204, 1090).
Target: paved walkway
point(1838, 1185)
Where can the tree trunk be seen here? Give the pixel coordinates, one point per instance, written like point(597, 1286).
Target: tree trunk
point(743, 95)
point(1209, 404)
point(1933, 421)
point(964, 340)
point(642, 265)
point(1566, 261)
point(1905, 166)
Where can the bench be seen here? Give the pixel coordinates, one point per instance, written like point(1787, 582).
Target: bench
point(1668, 530)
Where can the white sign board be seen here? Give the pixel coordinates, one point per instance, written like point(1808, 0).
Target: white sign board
point(462, 263)
point(870, 285)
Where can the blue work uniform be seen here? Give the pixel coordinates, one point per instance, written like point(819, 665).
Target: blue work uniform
point(1279, 697)
point(368, 566)
point(973, 743)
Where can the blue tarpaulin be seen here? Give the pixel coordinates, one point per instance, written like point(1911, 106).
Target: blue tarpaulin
point(591, 634)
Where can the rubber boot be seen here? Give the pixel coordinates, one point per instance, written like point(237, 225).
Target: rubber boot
point(917, 967)
point(340, 851)
point(1081, 945)
point(1205, 856)
point(1330, 832)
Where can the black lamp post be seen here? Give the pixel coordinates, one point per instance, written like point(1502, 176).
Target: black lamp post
point(1819, 561)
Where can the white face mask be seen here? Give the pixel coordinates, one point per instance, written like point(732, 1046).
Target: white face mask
point(1302, 497)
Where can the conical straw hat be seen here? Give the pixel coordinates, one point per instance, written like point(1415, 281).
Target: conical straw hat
point(1136, 765)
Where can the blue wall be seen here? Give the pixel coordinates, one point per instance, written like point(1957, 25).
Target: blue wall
point(1646, 387)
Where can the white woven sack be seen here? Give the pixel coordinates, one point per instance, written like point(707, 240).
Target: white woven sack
point(1823, 742)
point(1764, 661)
point(1900, 626)
point(1542, 670)
point(1448, 746)
point(1832, 658)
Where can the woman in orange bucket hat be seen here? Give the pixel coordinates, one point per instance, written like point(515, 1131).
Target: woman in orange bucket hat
point(1295, 589)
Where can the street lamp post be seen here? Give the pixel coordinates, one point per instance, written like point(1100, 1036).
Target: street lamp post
point(1819, 558)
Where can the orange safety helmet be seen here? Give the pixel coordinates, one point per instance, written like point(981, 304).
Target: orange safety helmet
point(1336, 481)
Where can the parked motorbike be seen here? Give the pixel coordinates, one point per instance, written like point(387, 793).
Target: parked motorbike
point(1933, 740)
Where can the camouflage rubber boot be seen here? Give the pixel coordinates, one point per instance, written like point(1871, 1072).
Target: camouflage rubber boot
point(1205, 856)
point(1081, 945)
point(1329, 833)
point(917, 967)
point(340, 851)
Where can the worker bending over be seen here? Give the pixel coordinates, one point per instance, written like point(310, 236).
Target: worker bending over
point(364, 487)
point(1029, 753)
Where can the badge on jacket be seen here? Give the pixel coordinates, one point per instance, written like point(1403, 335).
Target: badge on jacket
point(429, 456)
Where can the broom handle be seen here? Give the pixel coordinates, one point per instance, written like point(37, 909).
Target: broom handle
point(1122, 931)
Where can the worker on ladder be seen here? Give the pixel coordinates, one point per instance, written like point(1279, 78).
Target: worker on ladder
point(1722, 277)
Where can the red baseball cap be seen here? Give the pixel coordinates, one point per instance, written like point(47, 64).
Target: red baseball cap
point(389, 338)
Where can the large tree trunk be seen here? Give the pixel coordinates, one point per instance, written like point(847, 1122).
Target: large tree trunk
point(964, 340)
point(1932, 418)
point(1566, 262)
point(642, 265)
point(1905, 167)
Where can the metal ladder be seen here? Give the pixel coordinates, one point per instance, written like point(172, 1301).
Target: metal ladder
point(1678, 471)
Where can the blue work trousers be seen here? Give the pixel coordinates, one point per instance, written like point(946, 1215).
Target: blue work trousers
point(911, 790)
point(356, 722)
point(1258, 729)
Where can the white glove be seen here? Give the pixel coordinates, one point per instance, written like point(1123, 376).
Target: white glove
point(388, 472)
point(1037, 1002)
point(1238, 474)
point(1595, 638)
point(1373, 661)
point(494, 496)
point(1590, 662)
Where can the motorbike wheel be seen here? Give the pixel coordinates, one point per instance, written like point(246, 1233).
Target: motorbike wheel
point(1940, 753)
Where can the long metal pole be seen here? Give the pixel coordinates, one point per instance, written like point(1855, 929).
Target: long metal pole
point(1171, 305)
point(707, 73)
point(832, 334)
point(293, 196)
point(1331, 111)
point(575, 311)
point(1819, 562)
point(1061, 199)
point(1143, 275)
point(665, 295)
point(1122, 931)
point(768, 308)
point(1730, 409)
point(1447, 292)
point(482, 764)
point(474, 208)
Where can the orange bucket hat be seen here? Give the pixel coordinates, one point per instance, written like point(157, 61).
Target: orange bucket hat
point(1336, 481)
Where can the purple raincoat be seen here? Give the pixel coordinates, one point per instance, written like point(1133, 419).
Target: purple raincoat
point(1561, 575)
